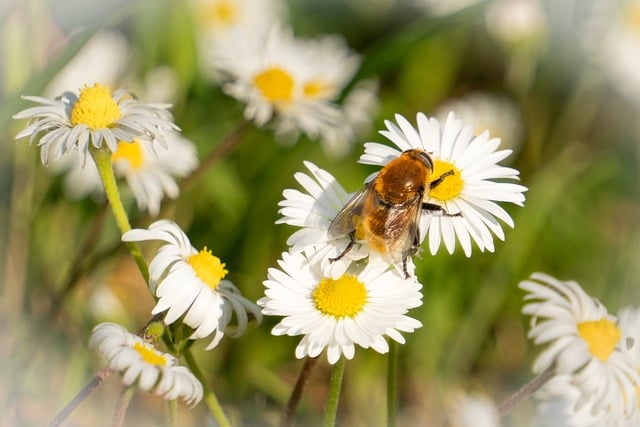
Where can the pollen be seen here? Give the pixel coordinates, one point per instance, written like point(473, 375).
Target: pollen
point(208, 267)
point(451, 186)
point(130, 152)
point(275, 84)
point(601, 336)
point(314, 89)
point(221, 12)
point(340, 297)
point(149, 355)
point(95, 108)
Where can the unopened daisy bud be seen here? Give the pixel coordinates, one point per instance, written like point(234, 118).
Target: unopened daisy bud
point(94, 117)
point(141, 364)
point(190, 284)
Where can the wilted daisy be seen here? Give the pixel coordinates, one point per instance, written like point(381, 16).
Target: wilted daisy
point(149, 173)
point(472, 190)
point(313, 210)
point(485, 111)
point(141, 364)
point(190, 285)
point(612, 40)
point(96, 115)
point(287, 82)
point(339, 313)
point(583, 341)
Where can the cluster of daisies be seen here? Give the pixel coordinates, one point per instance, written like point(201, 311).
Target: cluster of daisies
point(336, 299)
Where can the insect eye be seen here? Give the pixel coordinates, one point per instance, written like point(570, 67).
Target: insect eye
point(426, 158)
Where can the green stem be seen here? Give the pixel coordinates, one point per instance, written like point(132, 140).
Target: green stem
point(209, 397)
point(123, 404)
point(392, 384)
point(287, 415)
point(524, 392)
point(102, 157)
point(333, 398)
point(172, 412)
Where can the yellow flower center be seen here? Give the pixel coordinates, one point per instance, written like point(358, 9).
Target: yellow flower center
point(633, 17)
point(451, 186)
point(130, 152)
point(222, 12)
point(275, 84)
point(149, 354)
point(601, 336)
point(340, 297)
point(314, 88)
point(208, 267)
point(95, 108)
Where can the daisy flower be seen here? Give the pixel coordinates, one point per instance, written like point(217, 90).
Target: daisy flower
point(141, 364)
point(583, 341)
point(96, 115)
point(471, 191)
point(150, 174)
point(338, 313)
point(313, 210)
point(189, 284)
point(290, 83)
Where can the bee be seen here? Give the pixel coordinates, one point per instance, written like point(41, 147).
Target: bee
point(386, 212)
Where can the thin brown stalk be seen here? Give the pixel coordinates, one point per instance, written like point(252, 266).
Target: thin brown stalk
point(287, 415)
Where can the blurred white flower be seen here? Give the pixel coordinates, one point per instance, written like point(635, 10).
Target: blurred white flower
point(584, 342)
point(612, 40)
point(485, 111)
point(102, 59)
point(517, 23)
point(289, 83)
point(150, 173)
point(471, 410)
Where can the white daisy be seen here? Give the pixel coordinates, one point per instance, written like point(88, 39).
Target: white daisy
point(220, 21)
point(338, 313)
point(485, 111)
point(150, 174)
point(189, 284)
point(517, 23)
point(313, 211)
point(73, 122)
point(290, 83)
point(584, 342)
point(471, 191)
point(612, 40)
point(141, 364)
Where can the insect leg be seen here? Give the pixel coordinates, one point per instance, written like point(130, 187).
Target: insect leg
point(433, 184)
point(352, 241)
point(432, 207)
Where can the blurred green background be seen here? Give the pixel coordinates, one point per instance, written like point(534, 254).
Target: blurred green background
point(62, 270)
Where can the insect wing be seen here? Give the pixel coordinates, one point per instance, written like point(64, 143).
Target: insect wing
point(343, 224)
point(402, 235)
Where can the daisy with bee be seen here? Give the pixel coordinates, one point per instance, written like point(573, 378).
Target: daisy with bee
point(440, 181)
